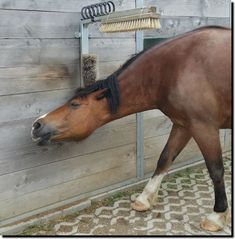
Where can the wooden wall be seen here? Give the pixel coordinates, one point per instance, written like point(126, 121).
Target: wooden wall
point(39, 58)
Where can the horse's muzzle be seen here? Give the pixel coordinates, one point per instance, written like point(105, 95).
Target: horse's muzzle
point(41, 133)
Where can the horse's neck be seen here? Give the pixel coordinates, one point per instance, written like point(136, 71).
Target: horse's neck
point(139, 87)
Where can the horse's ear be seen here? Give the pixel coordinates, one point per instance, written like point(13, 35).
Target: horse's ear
point(100, 94)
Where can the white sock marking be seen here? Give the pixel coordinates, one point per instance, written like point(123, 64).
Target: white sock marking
point(218, 218)
point(152, 187)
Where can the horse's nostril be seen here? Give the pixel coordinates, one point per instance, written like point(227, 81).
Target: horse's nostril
point(37, 125)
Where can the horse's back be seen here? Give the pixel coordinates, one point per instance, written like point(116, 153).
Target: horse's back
point(201, 86)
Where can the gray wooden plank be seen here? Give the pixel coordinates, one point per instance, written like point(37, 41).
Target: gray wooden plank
point(109, 59)
point(59, 51)
point(16, 80)
point(51, 64)
point(173, 26)
point(16, 107)
point(61, 5)
point(152, 114)
point(33, 24)
point(43, 72)
point(173, 8)
point(106, 49)
point(21, 52)
point(30, 180)
point(65, 190)
point(157, 126)
point(189, 152)
point(108, 67)
point(60, 192)
point(216, 8)
point(27, 24)
point(19, 140)
point(209, 8)
point(18, 152)
point(154, 146)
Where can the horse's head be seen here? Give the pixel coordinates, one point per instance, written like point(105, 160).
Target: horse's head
point(75, 120)
point(80, 116)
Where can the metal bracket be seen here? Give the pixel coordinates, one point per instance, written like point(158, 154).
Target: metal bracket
point(77, 35)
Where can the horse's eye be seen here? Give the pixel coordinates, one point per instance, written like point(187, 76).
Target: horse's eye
point(74, 105)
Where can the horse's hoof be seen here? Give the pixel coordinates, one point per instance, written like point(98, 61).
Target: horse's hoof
point(216, 221)
point(208, 225)
point(139, 206)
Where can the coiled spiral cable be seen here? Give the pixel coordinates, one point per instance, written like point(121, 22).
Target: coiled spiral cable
point(97, 10)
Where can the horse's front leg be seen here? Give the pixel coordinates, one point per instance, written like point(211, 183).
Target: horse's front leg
point(177, 140)
point(208, 140)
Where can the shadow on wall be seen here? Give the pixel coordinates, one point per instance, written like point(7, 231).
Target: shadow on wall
point(58, 76)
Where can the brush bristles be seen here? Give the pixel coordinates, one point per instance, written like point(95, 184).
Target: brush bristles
point(89, 71)
point(133, 25)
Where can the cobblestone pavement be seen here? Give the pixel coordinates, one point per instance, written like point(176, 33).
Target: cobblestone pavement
point(184, 200)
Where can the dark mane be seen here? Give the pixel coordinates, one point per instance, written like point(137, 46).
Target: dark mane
point(110, 83)
point(112, 94)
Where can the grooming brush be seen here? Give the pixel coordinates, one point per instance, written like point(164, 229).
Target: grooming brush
point(89, 70)
point(131, 20)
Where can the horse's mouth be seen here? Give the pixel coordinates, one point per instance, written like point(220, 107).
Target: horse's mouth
point(43, 135)
point(42, 140)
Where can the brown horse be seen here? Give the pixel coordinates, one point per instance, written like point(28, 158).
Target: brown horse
point(188, 79)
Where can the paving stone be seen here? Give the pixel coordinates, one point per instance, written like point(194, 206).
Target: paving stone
point(182, 204)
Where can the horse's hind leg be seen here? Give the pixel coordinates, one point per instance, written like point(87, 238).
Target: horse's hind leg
point(177, 140)
point(208, 140)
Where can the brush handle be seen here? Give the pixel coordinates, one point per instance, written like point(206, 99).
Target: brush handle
point(110, 19)
point(131, 12)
